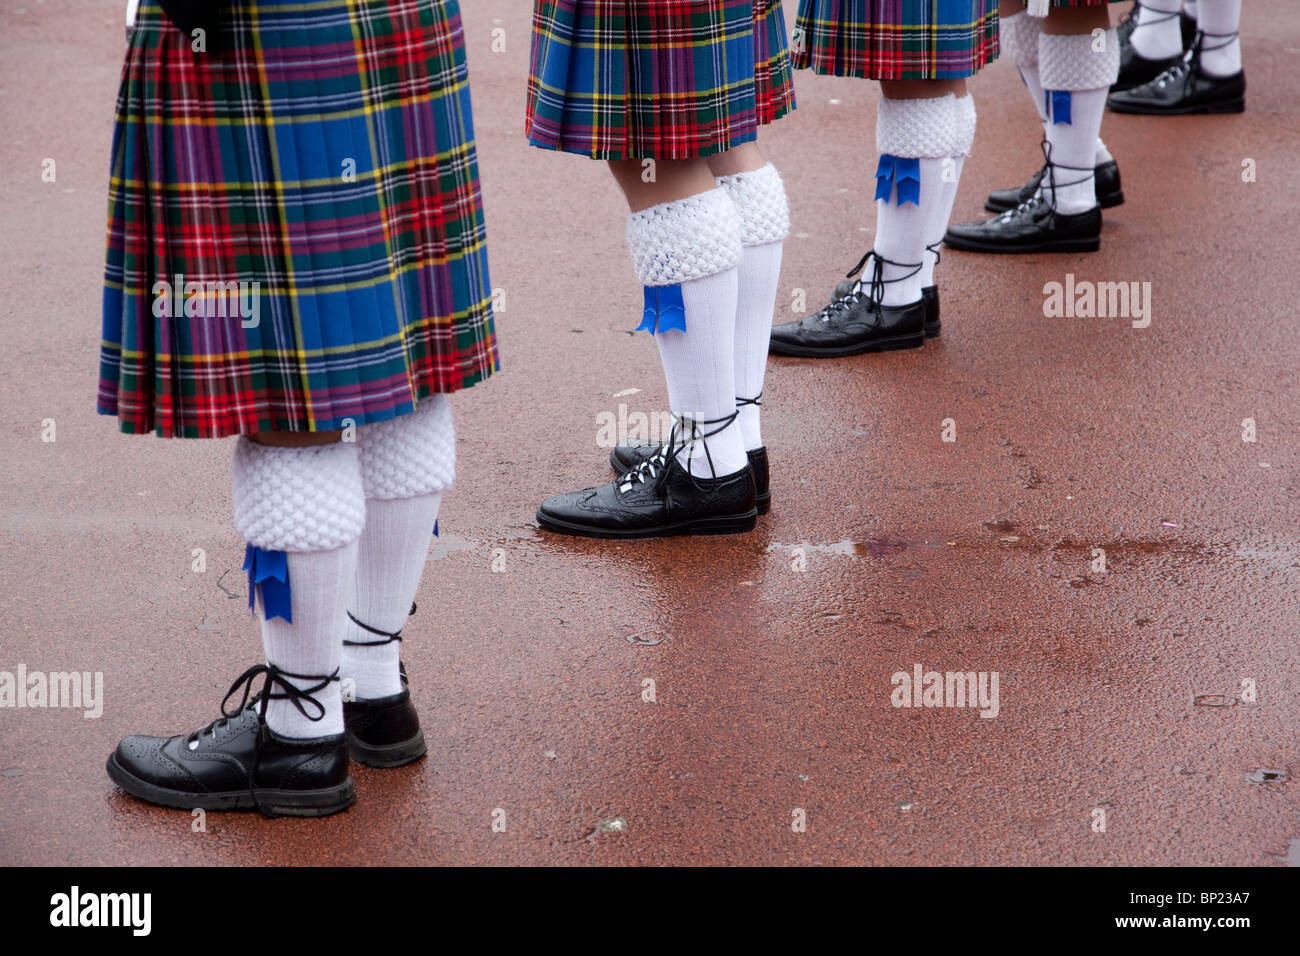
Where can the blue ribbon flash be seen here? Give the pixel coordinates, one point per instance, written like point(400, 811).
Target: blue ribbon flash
point(664, 310)
point(435, 527)
point(901, 172)
point(270, 570)
point(1058, 106)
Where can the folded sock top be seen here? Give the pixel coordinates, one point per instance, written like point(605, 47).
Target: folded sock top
point(919, 129)
point(965, 107)
point(411, 455)
point(1018, 37)
point(1072, 62)
point(759, 197)
point(685, 239)
point(298, 499)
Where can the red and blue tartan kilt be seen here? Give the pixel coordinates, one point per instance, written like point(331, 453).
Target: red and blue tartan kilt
point(658, 79)
point(896, 39)
point(312, 194)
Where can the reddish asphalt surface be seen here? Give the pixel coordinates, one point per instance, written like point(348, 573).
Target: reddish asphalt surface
point(772, 684)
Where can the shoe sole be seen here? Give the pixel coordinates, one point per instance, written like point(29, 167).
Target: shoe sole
point(764, 501)
point(933, 331)
point(386, 756)
point(724, 524)
point(1108, 201)
point(1091, 244)
point(1227, 106)
point(285, 803)
point(897, 343)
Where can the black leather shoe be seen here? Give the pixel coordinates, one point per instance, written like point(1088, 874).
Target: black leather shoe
point(929, 300)
point(238, 763)
point(852, 326)
point(857, 322)
point(1134, 69)
point(1110, 192)
point(1184, 89)
point(1033, 226)
point(628, 454)
point(1187, 26)
point(658, 498)
point(385, 731)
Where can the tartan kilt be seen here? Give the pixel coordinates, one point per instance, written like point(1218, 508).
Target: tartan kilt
point(896, 39)
point(312, 194)
point(656, 79)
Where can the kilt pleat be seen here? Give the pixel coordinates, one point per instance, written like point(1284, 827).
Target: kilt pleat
point(325, 160)
point(659, 79)
point(896, 39)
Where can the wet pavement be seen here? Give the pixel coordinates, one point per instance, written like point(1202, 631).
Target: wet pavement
point(1121, 734)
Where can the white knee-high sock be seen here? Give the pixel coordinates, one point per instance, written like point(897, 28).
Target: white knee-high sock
point(390, 562)
point(1077, 80)
point(1220, 47)
point(307, 503)
point(319, 582)
point(688, 250)
point(927, 133)
point(964, 111)
point(406, 465)
point(1158, 34)
point(1018, 36)
point(759, 198)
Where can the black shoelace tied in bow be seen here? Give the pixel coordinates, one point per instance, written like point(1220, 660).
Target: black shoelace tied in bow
point(875, 290)
point(684, 434)
point(277, 684)
point(1048, 180)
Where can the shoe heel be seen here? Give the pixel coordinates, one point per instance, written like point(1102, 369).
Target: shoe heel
point(386, 756)
point(903, 342)
point(933, 331)
point(1237, 105)
point(1113, 199)
point(1086, 244)
point(308, 803)
point(730, 524)
point(764, 503)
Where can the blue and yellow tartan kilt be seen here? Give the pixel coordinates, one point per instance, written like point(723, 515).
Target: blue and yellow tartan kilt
point(896, 39)
point(661, 79)
point(321, 170)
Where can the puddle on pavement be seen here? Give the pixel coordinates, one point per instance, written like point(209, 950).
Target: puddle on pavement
point(1214, 700)
point(872, 548)
point(1264, 775)
point(611, 825)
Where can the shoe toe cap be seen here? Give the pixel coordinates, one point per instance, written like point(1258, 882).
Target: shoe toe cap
point(567, 505)
point(146, 758)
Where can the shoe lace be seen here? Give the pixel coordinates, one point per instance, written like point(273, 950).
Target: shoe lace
point(388, 637)
point(684, 435)
point(875, 289)
point(1192, 57)
point(1050, 177)
point(272, 678)
point(1137, 7)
